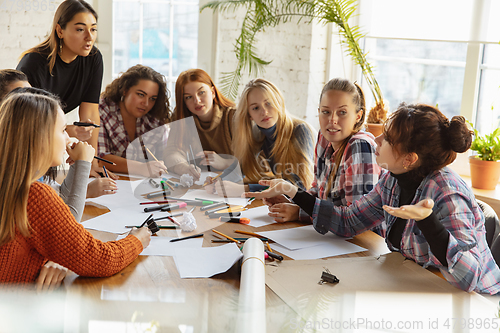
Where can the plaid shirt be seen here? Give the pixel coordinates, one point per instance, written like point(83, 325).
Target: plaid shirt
point(113, 137)
point(471, 266)
point(357, 175)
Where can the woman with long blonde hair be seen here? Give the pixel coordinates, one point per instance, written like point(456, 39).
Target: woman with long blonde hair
point(35, 224)
point(268, 142)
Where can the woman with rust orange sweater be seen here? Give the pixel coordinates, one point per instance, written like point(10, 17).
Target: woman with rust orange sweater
point(35, 224)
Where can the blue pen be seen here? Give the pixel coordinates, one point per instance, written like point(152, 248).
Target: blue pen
point(105, 172)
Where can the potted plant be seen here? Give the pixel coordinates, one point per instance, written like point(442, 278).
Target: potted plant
point(485, 165)
point(376, 118)
point(261, 14)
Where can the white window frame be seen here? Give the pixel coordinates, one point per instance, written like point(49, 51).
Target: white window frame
point(207, 38)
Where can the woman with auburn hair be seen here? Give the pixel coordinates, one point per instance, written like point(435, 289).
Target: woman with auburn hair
point(35, 224)
point(431, 214)
point(268, 142)
point(69, 65)
point(196, 95)
point(345, 168)
point(133, 104)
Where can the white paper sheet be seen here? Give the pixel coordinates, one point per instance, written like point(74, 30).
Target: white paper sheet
point(258, 216)
point(192, 194)
point(161, 246)
point(334, 248)
point(298, 238)
point(206, 261)
point(124, 196)
point(116, 220)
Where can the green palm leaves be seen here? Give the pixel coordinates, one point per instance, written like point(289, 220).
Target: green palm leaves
point(269, 13)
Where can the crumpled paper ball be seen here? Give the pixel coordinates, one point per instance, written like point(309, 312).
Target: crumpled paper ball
point(188, 222)
point(186, 180)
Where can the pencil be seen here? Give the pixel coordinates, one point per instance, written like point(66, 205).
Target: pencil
point(150, 153)
point(268, 247)
point(187, 237)
point(169, 217)
point(241, 239)
point(230, 238)
point(168, 184)
point(191, 148)
point(160, 226)
point(247, 233)
point(105, 172)
point(157, 202)
point(213, 179)
point(234, 209)
point(147, 220)
point(102, 159)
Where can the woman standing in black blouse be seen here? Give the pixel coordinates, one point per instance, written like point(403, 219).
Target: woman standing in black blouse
point(69, 65)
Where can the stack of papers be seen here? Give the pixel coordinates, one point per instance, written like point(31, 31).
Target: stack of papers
point(305, 243)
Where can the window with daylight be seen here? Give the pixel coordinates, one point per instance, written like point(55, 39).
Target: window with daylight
point(424, 52)
point(161, 34)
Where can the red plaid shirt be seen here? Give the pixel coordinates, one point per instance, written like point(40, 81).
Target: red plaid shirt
point(357, 175)
point(113, 137)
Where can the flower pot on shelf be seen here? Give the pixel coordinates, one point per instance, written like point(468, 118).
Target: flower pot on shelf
point(484, 174)
point(375, 129)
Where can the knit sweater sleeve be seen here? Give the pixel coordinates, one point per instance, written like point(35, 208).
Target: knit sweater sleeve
point(73, 189)
point(58, 237)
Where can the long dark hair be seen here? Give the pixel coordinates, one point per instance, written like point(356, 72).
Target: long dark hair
point(424, 130)
point(64, 14)
point(119, 87)
point(8, 76)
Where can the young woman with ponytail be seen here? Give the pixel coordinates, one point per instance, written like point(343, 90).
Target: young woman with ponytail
point(345, 166)
point(431, 214)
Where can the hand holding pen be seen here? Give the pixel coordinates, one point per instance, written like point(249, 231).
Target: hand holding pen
point(153, 168)
point(83, 130)
point(214, 160)
point(188, 167)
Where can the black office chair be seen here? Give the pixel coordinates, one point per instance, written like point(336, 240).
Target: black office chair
point(492, 226)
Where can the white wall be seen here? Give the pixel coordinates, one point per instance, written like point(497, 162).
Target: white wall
point(300, 58)
point(22, 29)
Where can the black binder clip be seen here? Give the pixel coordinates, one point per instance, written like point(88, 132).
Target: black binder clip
point(153, 226)
point(328, 277)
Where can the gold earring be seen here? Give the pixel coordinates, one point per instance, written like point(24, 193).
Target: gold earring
point(60, 45)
